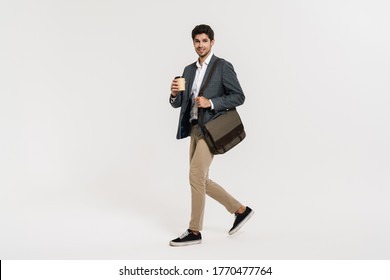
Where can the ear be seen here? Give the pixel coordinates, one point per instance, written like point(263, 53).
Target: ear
point(212, 42)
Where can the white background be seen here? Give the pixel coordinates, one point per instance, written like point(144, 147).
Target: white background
point(89, 164)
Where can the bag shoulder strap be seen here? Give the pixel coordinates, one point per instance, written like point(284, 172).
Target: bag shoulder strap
point(201, 92)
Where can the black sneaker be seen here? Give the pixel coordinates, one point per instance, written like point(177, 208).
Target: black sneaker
point(241, 219)
point(187, 238)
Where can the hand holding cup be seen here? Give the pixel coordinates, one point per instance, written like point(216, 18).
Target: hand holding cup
point(178, 85)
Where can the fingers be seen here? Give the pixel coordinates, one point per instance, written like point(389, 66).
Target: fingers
point(197, 101)
point(174, 86)
point(201, 102)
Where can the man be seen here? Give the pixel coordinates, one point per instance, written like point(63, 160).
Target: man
point(223, 92)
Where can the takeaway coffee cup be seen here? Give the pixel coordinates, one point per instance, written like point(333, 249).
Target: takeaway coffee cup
point(182, 83)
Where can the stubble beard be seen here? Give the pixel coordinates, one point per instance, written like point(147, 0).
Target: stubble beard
point(204, 55)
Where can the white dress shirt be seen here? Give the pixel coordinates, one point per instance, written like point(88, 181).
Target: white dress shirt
point(200, 72)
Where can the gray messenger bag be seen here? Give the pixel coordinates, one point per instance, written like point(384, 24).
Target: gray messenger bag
point(225, 131)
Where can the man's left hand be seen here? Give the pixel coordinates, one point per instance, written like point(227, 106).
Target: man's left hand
point(202, 102)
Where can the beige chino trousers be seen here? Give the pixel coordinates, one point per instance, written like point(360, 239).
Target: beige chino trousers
point(200, 161)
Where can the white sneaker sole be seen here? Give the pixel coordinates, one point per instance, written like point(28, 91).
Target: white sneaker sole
point(179, 244)
point(242, 223)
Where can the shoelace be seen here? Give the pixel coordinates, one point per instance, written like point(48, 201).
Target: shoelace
point(184, 234)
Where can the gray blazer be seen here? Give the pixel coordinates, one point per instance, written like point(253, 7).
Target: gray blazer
point(223, 89)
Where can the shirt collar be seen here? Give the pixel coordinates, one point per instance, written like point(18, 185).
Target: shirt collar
point(207, 61)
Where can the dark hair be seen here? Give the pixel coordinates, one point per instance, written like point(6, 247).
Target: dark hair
point(203, 28)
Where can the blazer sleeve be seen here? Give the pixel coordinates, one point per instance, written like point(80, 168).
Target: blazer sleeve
point(176, 102)
point(234, 96)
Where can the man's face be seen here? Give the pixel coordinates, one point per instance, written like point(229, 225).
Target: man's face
point(203, 44)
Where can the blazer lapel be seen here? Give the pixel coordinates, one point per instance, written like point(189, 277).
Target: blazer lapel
point(191, 78)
